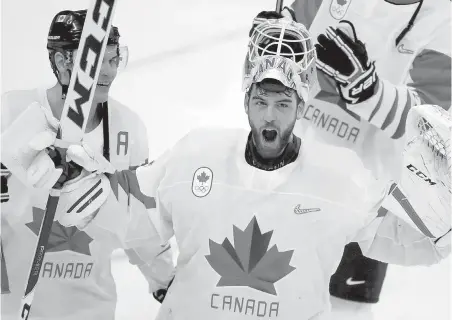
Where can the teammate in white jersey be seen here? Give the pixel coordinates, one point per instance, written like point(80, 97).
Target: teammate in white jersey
point(409, 40)
point(261, 217)
point(75, 280)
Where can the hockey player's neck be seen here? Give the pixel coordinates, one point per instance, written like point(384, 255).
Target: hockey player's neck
point(288, 155)
point(56, 104)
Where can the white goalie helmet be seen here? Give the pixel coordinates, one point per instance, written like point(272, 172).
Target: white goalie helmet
point(281, 49)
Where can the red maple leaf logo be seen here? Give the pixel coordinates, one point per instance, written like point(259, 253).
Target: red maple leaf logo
point(61, 238)
point(249, 263)
point(203, 177)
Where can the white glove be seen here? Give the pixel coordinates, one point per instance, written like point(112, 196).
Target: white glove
point(25, 149)
point(24, 145)
point(426, 177)
point(81, 198)
point(90, 160)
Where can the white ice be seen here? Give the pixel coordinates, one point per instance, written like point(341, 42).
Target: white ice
point(409, 293)
point(184, 70)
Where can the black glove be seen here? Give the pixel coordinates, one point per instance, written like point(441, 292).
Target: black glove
point(4, 183)
point(160, 294)
point(71, 170)
point(346, 61)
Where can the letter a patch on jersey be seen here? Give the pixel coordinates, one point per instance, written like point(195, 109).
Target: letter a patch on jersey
point(202, 182)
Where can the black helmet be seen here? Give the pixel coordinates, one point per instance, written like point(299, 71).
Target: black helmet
point(66, 29)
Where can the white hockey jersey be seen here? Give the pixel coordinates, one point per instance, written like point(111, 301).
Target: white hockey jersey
point(246, 236)
point(415, 71)
point(76, 281)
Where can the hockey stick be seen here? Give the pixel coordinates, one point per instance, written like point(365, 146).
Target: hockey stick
point(77, 105)
point(279, 5)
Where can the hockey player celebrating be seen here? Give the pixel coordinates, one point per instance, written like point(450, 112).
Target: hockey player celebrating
point(75, 281)
point(261, 217)
point(386, 57)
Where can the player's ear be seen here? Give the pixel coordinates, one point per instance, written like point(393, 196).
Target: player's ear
point(63, 65)
point(300, 107)
point(246, 101)
point(59, 60)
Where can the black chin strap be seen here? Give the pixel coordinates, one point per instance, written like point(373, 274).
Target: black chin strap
point(104, 110)
point(289, 155)
point(64, 87)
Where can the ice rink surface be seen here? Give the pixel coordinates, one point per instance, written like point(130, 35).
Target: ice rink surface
point(409, 293)
point(184, 71)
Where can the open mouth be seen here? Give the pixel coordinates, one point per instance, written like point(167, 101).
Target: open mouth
point(103, 84)
point(269, 135)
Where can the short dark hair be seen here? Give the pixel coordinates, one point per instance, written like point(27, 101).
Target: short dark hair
point(266, 88)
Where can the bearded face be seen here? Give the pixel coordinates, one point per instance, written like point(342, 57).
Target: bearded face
point(272, 115)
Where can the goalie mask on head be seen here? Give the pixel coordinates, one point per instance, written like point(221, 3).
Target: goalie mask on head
point(283, 50)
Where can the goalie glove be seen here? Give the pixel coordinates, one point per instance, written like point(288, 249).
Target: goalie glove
point(426, 176)
point(343, 57)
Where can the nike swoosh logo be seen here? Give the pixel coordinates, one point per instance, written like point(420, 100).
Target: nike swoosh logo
point(352, 282)
point(401, 48)
point(302, 211)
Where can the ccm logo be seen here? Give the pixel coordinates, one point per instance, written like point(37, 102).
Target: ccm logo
point(420, 174)
point(97, 24)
